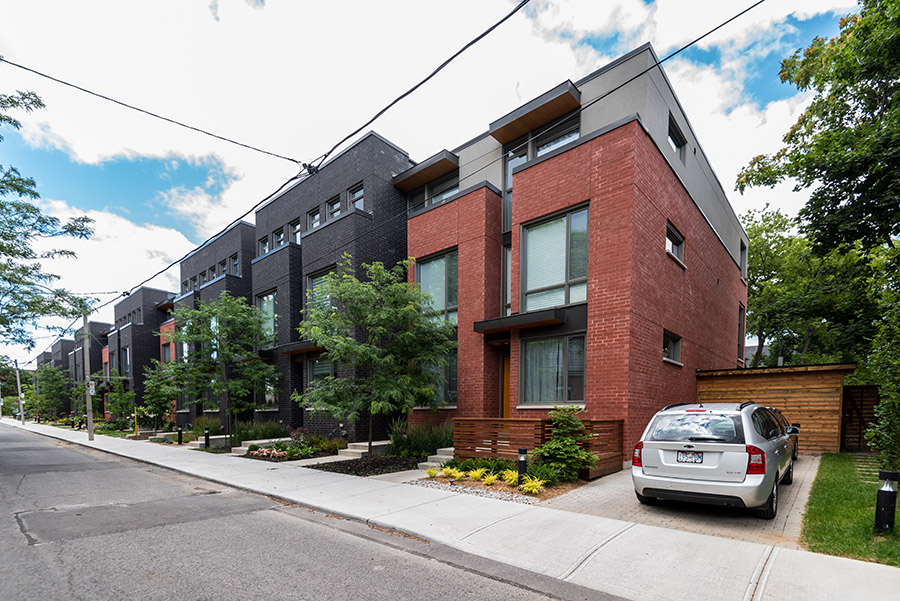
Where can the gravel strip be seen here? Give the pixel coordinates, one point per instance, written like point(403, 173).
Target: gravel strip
point(478, 492)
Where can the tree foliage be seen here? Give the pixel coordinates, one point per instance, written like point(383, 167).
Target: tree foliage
point(52, 388)
point(27, 292)
point(390, 348)
point(809, 307)
point(160, 386)
point(564, 452)
point(116, 398)
point(846, 144)
point(223, 335)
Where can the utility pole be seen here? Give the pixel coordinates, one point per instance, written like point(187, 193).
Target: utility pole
point(21, 396)
point(86, 350)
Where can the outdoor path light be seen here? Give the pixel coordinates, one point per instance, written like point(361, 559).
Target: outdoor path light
point(886, 502)
point(206, 436)
point(523, 467)
point(179, 434)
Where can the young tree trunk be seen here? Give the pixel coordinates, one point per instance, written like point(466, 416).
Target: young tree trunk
point(761, 342)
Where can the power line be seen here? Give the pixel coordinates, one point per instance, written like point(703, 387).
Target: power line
point(146, 112)
point(440, 67)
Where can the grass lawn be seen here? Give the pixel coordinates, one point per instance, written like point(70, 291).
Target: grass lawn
point(840, 515)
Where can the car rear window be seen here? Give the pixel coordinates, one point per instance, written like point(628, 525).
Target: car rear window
point(697, 427)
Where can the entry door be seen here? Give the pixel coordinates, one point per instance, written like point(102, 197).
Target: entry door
point(504, 402)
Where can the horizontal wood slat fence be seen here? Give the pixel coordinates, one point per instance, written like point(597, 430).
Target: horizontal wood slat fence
point(498, 438)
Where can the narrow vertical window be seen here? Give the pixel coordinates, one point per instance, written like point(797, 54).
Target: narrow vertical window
point(314, 219)
point(267, 304)
point(674, 242)
point(741, 317)
point(356, 196)
point(671, 347)
point(334, 207)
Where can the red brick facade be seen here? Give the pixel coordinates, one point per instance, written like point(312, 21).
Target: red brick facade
point(635, 289)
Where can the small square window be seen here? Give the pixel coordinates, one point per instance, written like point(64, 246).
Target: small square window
point(674, 242)
point(296, 231)
point(671, 347)
point(278, 238)
point(314, 219)
point(263, 246)
point(357, 197)
point(334, 207)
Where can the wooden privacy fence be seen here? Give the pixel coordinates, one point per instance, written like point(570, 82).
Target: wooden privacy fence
point(502, 438)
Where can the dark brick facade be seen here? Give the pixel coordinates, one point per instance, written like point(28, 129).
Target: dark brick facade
point(377, 232)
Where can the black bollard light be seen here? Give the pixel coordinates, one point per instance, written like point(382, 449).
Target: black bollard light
point(179, 434)
point(886, 501)
point(206, 436)
point(523, 467)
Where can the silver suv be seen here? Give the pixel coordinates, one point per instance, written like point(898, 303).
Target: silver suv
point(719, 454)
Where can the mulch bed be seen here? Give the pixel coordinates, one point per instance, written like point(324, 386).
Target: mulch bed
point(370, 466)
point(283, 459)
point(548, 493)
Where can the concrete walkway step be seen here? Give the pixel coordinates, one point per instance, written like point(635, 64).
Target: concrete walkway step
point(437, 460)
point(244, 449)
point(358, 450)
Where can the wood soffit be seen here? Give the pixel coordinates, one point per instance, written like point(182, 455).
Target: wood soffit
point(560, 101)
point(435, 167)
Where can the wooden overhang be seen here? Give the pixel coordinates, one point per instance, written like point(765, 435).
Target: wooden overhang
point(560, 101)
point(297, 348)
point(430, 169)
point(167, 304)
point(519, 321)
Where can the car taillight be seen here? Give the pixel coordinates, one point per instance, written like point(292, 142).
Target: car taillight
point(756, 464)
point(636, 456)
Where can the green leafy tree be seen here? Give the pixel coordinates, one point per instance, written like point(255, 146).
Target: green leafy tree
point(117, 399)
point(52, 387)
point(379, 330)
point(884, 361)
point(564, 452)
point(845, 144)
point(812, 308)
point(227, 331)
point(160, 387)
point(27, 292)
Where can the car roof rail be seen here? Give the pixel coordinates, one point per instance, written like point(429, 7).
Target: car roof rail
point(673, 405)
point(747, 404)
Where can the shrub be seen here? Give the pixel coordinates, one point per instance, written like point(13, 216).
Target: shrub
point(511, 477)
point(453, 473)
point(257, 431)
point(201, 423)
point(494, 466)
point(477, 474)
point(432, 473)
point(490, 479)
point(563, 452)
point(531, 486)
point(411, 440)
point(543, 472)
point(253, 447)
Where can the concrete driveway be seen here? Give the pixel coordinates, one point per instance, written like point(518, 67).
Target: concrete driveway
point(613, 497)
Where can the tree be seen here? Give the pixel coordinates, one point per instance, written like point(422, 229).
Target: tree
point(814, 308)
point(117, 399)
point(160, 386)
point(226, 333)
point(379, 331)
point(846, 144)
point(52, 388)
point(26, 290)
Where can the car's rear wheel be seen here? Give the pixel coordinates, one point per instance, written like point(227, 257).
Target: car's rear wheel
point(645, 500)
point(789, 475)
point(768, 511)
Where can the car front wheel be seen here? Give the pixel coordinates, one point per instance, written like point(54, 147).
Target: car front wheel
point(768, 511)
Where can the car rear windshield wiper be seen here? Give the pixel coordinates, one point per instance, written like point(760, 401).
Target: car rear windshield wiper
point(706, 438)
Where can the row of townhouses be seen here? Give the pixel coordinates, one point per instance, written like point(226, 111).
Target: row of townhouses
point(582, 245)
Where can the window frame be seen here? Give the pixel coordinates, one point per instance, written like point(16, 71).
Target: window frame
point(296, 231)
point(742, 316)
point(262, 246)
point(278, 239)
point(671, 352)
point(524, 369)
point(568, 282)
point(448, 309)
point(313, 219)
point(235, 265)
point(270, 341)
point(675, 240)
point(430, 197)
point(675, 138)
point(333, 207)
point(354, 200)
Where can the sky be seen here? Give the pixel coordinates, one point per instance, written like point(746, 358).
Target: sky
point(294, 77)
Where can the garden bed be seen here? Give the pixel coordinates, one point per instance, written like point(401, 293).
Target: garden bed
point(500, 489)
point(370, 466)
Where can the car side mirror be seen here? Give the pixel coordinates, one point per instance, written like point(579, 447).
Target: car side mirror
point(796, 426)
point(790, 430)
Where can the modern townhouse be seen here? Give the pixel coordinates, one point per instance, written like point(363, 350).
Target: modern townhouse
point(349, 206)
point(586, 250)
point(132, 341)
point(97, 331)
point(222, 264)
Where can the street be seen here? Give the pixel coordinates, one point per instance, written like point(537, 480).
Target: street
point(81, 524)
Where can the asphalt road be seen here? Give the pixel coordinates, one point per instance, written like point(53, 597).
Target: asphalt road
point(80, 524)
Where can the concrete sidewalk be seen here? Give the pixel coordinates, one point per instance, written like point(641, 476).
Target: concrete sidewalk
point(621, 558)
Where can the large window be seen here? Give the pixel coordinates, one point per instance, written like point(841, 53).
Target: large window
point(553, 370)
point(434, 193)
point(531, 146)
point(319, 368)
point(447, 391)
point(555, 269)
point(315, 297)
point(438, 277)
point(267, 304)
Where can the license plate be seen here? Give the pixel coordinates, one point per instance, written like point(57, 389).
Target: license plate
point(690, 457)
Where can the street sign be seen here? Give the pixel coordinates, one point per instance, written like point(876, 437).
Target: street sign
point(91, 389)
